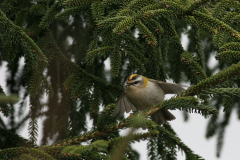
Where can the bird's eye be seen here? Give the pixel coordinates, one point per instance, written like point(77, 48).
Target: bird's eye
point(136, 82)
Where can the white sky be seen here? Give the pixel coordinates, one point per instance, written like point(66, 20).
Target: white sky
point(192, 133)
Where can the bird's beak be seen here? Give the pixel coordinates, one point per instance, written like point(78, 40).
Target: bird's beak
point(128, 83)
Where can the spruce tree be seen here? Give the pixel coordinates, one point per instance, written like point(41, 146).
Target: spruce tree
point(65, 45)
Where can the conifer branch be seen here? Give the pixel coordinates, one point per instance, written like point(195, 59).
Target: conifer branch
point(138, 4)
point(115, 62)
point(150, 38)
point(220, 8)
point(214, 80)
point(24, 39)
point(196, 5)
point(189, 104)
point(49, 16)
point(134, 137)
point(181, 103)
point(73, 3)
point(18, 140)
point(176, 60)
point(223, 91)
point(229, 18)
point(133, 56)
point(197, 69)
point(70, 11)
point(166, 5)
point(120, 144)
point(77, 50)
point(129, 49)
point(189, 153)
point(14, 152)
point(228, 55)
point(142, 136)
point(73, 67)
point(97, 10)
point(152, 147)
point(123, 25)
point(95, 103)
point(55, 152)
point(91, 55)
point(215, 22)
point(111, 21)
point(197, 22)
point(198, 47)
point(218, 39)
point(26, 157)
point(97, 149)
point(231, 46)
point(33, 125)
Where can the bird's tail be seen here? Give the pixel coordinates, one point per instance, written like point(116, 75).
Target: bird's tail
point(163, 116)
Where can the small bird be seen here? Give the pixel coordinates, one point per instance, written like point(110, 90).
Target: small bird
point(142, 93)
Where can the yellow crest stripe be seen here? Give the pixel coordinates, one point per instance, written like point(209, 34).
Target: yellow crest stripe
point(145, 81)
point(133, 75)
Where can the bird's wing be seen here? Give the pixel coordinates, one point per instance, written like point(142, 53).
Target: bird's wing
point(169, 88)
point(123, 105)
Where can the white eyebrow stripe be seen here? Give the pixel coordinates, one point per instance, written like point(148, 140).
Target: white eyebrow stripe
point(138, 79)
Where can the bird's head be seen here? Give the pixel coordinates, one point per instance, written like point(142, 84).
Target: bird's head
point(136, 80)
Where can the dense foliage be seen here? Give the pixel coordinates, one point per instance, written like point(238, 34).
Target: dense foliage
point(65, 45)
